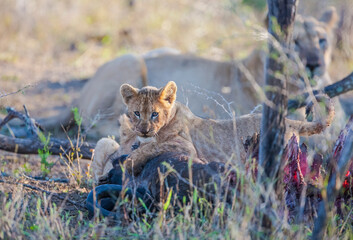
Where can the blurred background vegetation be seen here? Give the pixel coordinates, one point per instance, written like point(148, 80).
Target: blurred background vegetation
point(48, 40)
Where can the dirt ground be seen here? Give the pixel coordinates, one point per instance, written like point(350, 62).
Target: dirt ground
point(24, 171)
point(46, 58)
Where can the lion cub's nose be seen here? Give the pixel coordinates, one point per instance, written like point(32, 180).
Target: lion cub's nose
point(144, 131)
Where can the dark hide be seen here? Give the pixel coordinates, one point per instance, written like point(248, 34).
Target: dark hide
point(162, 173)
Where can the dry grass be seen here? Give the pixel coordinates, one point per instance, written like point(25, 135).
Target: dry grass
point(60, 40)
point(31, 214)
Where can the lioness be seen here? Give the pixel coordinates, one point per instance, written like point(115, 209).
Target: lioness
point(161, 125)
point(209, 88)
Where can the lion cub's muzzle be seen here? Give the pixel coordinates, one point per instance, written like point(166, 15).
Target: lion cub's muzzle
point(145, 130)
point(145, 133)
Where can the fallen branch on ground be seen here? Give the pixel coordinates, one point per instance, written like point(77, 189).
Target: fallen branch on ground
point(45, 191)
point(31, 144)
point(43, 179)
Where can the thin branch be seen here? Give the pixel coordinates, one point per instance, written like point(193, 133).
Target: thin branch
point(12, 93)
point(32, 126)
point(45, 191)
point(333, 90)
point(42, 179)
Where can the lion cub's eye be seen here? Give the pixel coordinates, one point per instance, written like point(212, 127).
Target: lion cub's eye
point(154, 115)
point(137, 114)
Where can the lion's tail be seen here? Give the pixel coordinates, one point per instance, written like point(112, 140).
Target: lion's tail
point(310, 128)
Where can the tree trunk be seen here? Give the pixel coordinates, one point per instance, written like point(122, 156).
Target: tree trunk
point(281, 18)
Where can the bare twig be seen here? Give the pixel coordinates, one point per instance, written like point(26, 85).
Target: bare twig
point(42, 179)
point(45, 191)
point(12, 93)
point(32, 126)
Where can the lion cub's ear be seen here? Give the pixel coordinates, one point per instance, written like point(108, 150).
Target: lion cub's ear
point(330, 17)
point(128, 92)
point(168, 93)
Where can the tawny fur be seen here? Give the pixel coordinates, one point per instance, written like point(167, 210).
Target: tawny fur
point(177, 129)
point(104, 148)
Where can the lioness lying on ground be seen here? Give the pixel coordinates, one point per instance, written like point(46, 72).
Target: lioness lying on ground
point(156, 124)
point(202, 82)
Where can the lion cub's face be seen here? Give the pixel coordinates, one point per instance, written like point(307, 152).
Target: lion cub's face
point(149, 108)
point(313, 41)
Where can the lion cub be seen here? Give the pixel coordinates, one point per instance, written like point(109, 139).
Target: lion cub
point(153, 120)
point(159, 124)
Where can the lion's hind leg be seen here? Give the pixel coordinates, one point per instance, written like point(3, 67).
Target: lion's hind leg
point(101, 164)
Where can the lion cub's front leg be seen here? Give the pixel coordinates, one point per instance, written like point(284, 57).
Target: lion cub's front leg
point(101, 164)
point(139, 157)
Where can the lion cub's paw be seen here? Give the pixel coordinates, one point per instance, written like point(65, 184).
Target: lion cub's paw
point(101, 165)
